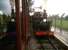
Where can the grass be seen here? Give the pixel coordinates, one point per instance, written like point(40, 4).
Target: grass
point(63, 25)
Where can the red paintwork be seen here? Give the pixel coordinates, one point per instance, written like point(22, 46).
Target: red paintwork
point(41, 33)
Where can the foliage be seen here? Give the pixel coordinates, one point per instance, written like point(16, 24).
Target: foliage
point(3, 21)
point(30, 2)
point(63, 25)
point(66, 17)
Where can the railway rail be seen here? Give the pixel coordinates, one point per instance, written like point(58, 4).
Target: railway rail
point(34, 44)
point(48, 44)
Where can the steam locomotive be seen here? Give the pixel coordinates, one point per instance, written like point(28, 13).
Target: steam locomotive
point(11, 29)
point(41, 26)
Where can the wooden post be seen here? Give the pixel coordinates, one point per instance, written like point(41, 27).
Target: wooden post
point(22, 27)
point(25, 22)
point(17, 2)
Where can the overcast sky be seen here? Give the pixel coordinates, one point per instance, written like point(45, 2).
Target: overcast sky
point(57, 7)
point(5, 6)
point(52, 6)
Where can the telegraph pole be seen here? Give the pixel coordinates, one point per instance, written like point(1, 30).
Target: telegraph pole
point(61, 22)
point(12, 3)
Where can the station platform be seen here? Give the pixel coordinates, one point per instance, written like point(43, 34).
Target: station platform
point(61, 35)
point(62, 38)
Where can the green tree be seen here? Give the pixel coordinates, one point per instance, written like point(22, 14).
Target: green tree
point(3, 22)
point(66, 17)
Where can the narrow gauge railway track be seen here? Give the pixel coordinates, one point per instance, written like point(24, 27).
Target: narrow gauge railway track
point(48, 44)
